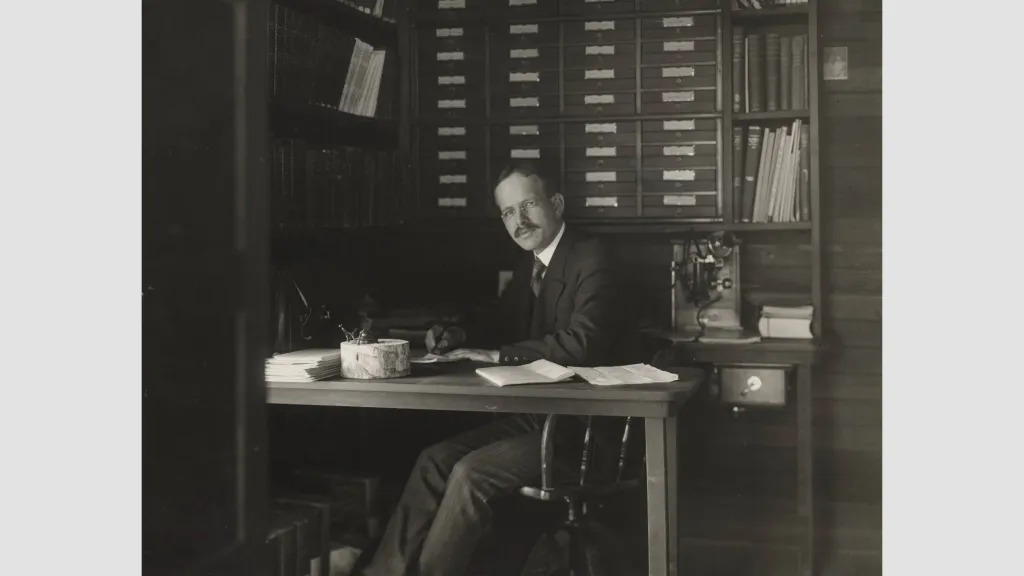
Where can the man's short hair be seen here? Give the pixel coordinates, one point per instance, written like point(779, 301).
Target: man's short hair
point(528, 169)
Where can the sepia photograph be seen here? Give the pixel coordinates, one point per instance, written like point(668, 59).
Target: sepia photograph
point(513, 288)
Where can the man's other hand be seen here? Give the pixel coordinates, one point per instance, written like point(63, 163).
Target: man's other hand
point(490, 356)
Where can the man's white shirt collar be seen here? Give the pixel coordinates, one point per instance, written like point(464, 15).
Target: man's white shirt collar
point(546, 254)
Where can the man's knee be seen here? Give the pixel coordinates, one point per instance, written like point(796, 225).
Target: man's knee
point(436, 459)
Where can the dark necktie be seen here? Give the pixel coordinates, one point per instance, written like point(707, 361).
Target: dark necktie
point(538, 275)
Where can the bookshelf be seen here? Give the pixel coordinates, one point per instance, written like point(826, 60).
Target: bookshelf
point(338, 114)
point(626, 102)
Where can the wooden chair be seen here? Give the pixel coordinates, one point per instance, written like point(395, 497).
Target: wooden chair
point(591, 548)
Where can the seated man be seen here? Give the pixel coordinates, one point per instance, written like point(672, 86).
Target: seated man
point(561, 305)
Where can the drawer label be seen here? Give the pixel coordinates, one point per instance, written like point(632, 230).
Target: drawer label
point(679, 175)
point(602, 25)
point(452, 179)
point(678, 46)
point(677, 96)
point(523, 28)
point(451, 104)
point(450, 56)
point(601, 177)
point(522, 2)
point(448, 32)
point(607, 50)
point(531, 102)
point(524, 130)
point(678, 151)
point(524, 76)
point(451, 130)
point(679, 200)
point(678, 72)
point(451, 154)
point(523, 53)
point(451, 80)
point(601, 202)
point(601, 152)
point(608, 128)
point(599, 99)
point(451, 4)
point(679, 125)
point(599, 74)
point(525, 153)
point(677, 22)
point(451, 202)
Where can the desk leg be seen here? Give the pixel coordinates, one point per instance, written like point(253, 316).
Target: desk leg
point(805, 467)
point(662, 497)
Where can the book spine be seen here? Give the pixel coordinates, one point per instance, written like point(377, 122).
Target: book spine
point(805, 173)
point(737, 172)
point(797, 77)
point(751, 163)
point(756, 78)
point(785, 71)
point(772, 63)
point(738, 70)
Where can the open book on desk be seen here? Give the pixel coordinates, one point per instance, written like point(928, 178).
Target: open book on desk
point(545, 372)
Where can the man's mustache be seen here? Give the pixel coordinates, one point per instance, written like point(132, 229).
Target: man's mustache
point(524, 228)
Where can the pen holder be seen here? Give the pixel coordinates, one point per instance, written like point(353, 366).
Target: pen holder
point(385, 358)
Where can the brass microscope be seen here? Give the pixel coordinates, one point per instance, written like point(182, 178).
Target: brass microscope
point(706, 287)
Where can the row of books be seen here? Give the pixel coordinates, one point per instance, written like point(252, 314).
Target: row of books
point(770, 72)
point(771, 175)
point(336, 187)
point(307, 61)
point(765, 4)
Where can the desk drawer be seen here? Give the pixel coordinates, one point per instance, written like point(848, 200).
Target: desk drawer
point(754, 385)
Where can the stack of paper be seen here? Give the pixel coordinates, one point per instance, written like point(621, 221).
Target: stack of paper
point(304, 365)
point(538, 372)
point(631, 374)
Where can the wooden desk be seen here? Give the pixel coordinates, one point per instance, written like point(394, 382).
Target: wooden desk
point(458, 388)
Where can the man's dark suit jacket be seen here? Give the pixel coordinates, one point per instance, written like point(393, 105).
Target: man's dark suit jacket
point(579, 319)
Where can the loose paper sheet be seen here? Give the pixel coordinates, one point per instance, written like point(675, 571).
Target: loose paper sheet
point(619, 375)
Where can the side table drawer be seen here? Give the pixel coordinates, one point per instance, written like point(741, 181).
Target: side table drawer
point(754, 385)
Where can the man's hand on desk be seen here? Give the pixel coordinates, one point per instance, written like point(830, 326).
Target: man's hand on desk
point(490, 356)
point(441, 339)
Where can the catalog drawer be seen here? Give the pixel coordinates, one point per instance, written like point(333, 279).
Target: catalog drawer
point(597, 80)
point(516, 9)
point(687, 101)
point(670, 156)
point(600, 133)
point(599, 31)
point(525, 107)
point(596, 158)
point(606, 104)
point(604, 55)
point(679, 27)
point(684, 205)
point(680, 131)
point(588, 7)
point(679, 77)
point(608, 206)
point(681, 180)
point(672, 52)
point(524, 34)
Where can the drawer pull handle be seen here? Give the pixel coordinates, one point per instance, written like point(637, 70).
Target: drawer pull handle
point(753, 385)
